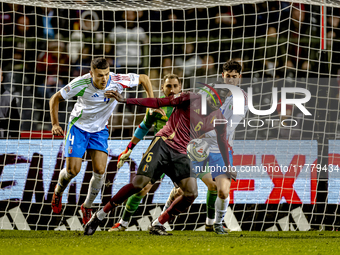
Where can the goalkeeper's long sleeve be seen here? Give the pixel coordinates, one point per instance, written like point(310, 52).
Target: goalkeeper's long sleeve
point(175, 100)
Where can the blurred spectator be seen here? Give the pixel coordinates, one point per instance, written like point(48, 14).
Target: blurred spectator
point(55, 60)
point(51, 85)
point(172, 24)
point(196, 22)
point(91, 26)
point(128, 38)
point(15, 71)
point(11, 15)
point(109, 54)
point(333, 38)
point(207, 73)
point(47, 23)
point(76, 46)
point(272, 32)
point(83, 64)
point(23, 27)
point(43, 93)
point(298, 19)
point(333, 21)
point(299, 35)
point(189, 61)
point(6, 17)
point(208, 66)
point(86, 27)
point(223, 24)
point(9, 113)
point(156, 75)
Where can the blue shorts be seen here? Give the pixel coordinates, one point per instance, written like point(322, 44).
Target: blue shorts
point(213, 162)
point(78, 141)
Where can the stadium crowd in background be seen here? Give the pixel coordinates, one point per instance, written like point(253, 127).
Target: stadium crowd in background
point(60, 43)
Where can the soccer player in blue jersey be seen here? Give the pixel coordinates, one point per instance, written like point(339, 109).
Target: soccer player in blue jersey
point(87, 128)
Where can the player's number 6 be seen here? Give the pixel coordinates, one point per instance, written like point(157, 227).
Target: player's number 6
point(149, 157)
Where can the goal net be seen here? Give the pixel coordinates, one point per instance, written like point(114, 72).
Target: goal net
point(288, 164)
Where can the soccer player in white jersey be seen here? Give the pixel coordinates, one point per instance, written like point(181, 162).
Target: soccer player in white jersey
point(231, 75)
point(87, 128)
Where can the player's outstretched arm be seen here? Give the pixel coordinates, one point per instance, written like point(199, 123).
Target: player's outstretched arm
point(221, 136)
point(146, 83)
point(54, 109)
point(116, 95)
point(154, 102)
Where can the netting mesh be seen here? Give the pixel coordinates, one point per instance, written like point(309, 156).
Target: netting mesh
point(148, 5)
point(46, 44)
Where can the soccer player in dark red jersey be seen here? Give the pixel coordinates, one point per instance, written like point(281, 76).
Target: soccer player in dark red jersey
point(167, 154)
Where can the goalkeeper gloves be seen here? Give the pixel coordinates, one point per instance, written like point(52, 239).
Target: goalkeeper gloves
point(125, 155)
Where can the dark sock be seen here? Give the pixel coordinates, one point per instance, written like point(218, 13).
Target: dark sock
point(181, 204)
point(131, 206)
point(123, 194)
point(211, 198)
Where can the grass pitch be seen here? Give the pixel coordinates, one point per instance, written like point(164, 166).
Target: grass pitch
point(182, 242)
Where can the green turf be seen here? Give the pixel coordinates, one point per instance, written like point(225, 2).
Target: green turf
point(182, 242)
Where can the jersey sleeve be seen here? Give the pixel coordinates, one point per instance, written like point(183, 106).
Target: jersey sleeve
point(175, 100)
point(144, 126)
point(74, 88)
point(129, 80)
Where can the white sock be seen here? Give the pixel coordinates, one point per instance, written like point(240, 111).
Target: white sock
point(220, 209)
point(166, 206)
point(170, 199)
point(96, 184)
point(63, 180)
point(124, 223)
point(156, 223)
point(209, 221)
point(101, 214)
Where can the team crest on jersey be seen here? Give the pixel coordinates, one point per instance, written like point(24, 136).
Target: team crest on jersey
point(145, 168)
point(132, 77)
point(70, 150)
point(177, 95)
point(67, 89)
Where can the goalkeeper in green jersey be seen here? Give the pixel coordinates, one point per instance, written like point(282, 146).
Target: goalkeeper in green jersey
point(158, 118)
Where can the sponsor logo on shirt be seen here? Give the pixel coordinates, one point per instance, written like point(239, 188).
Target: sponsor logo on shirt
point(95, 95)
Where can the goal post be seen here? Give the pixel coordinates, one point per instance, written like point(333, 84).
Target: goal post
point(288, 165)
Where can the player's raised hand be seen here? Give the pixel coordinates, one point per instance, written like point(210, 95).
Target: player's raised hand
point(123, 157)
point(57, 130)
point(160, 110)
point(109, 93)
point(116, 95)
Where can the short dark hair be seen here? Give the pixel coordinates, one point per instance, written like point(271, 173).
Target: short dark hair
point(171, 76)
point(99, 63)
point(231, 65)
